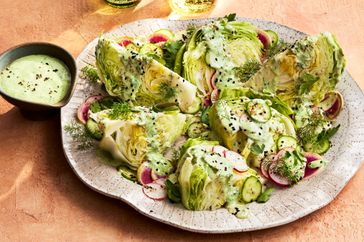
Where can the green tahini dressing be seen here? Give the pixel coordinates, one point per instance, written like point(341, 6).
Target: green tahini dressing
point(36, 78)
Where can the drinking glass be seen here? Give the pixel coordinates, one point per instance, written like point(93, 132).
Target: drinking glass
point(122, 3)
point(192, 7)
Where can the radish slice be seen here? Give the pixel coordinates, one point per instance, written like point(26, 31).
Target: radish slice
point(155, 176)
point(207, 102)
point(215, 95)
point(155, 191)
point(212, 81)
point(238, 162)
point(125, 42)
point(82, 112)
point(264, 38)
point(144, 174)
point(264, 165)
point(282, 152)
point(310, 157)
point(218, 149)
point(157, 38)
point(276, 178)
point(161, 181)
point(336, 107)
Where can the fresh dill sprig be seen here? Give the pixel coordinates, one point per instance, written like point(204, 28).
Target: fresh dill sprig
point(120, 110)
point(278, 48)
point(89, 72)
point(245, 72)
point(80, 135)
point(166, 90)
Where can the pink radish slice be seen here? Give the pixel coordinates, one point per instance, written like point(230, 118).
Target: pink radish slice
point(310, 157)
point(207, 102)
point(82, 112)
point(276, 178)
point(335, 109)
point(218, 149)
point(236, 160)
point(125, 42)
point(157, 38)
point(282, 152)
point(155, 176)
point(161, 181)
point(215, 95)
point(264, 38)
point(264, 166)
point(145, 174)
point(212, 81)
point(155, 191)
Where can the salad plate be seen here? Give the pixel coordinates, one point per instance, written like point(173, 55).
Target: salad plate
point(284, 206)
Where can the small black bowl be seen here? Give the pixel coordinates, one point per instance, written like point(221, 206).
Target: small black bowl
point(38, 48)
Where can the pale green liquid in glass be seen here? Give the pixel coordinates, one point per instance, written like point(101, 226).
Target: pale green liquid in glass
point(122, 3)
point(191, 7)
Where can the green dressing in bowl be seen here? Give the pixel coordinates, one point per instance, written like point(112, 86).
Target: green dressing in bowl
point(36, 78)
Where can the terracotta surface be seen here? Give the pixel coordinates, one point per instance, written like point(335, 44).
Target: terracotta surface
point(40, 197)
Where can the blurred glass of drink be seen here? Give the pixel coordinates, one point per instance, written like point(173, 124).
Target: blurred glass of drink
point(192, 7)
point(122, 3)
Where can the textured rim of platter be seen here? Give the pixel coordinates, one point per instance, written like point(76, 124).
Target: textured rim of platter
point(284, 206)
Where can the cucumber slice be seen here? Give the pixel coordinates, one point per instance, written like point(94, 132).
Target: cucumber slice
point(252, 188)
point(165, 32)
point(264, 197)
point(151, 49)
point(286, 141)
point(93, 129)
point(196, 130)
point(132, 47)
point(178, 63)
point(318, 148)
point(273, 36)
point(258, 110)
point(127, 173)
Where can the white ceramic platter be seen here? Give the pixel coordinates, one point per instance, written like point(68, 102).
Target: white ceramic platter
point(284, 206)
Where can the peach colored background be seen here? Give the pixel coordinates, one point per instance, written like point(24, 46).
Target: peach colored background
point(40, 197)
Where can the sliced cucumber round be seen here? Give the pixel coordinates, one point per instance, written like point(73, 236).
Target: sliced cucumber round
point(93, 129)
point(286, 141)
point(273, 37)
point(252, 188)
point(127, 173)
point(151, 49)
point(178, 63)
point(319, 148)
point(258, 110)
point(196, 130)
point(165, 32)
point(132, 47)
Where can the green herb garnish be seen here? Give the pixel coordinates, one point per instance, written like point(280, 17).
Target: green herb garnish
point(230, 17)
point(170, 50)
point(256, 149)
point(166, 90)
point(245, 72)
point(307, 82)
point(278, 48)
point(89, 72)
point(79, 134)
point(120, 110)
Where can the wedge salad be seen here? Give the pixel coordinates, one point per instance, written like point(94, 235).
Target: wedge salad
point(217, 115)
